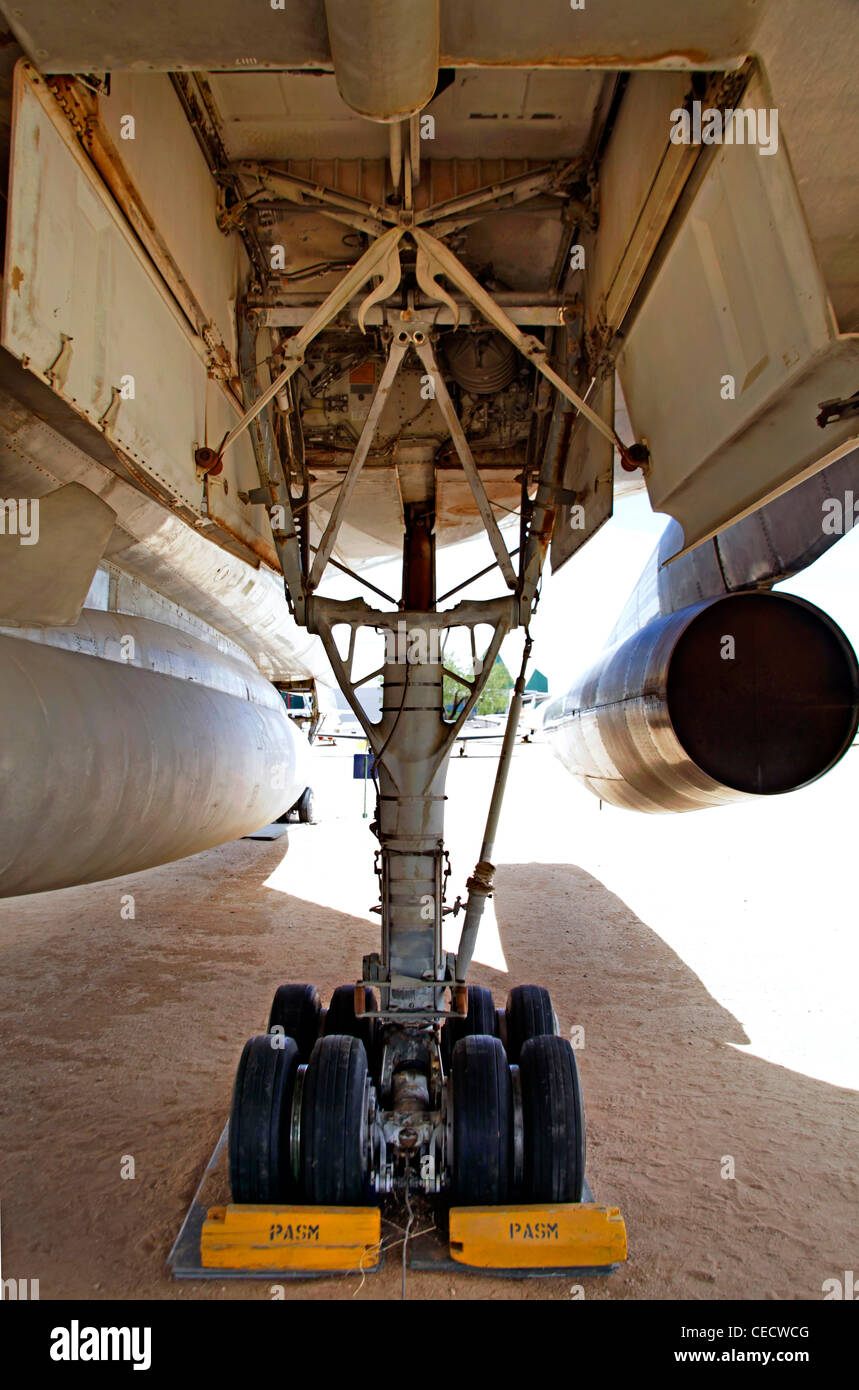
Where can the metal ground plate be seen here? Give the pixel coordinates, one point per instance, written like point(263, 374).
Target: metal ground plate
point(427, 1249)
point(185, 1258)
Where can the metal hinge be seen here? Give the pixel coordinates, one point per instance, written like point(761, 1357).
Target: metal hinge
point(838, 409)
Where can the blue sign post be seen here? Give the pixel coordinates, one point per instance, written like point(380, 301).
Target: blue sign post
point(363, 766)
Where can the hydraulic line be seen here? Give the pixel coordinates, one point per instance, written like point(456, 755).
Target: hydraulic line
point(480, 884)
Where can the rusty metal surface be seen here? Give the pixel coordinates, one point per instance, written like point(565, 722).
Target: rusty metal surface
point(135, 369)
point(642, 177)
point(469, 467)
point(356, 463)
point(161, 216)
point(295, 314)
point(454, 500)
point(370, 179)
point(166, 175)
point(110, 35)
point(587, 475)
point(641, 181)
point(663, 33)
point(638, 147)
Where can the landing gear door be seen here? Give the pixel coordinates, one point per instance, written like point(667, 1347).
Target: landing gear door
point(587, 480)
point(89, 313)
point(735, 346)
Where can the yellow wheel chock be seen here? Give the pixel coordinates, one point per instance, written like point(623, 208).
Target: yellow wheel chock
point(315, 1240)
point(581, 1235)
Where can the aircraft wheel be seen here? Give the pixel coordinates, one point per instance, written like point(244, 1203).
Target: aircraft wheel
point(529, 1014)
point(553, 1121)
point(482, 1122)
point(334, 1123)
point(479, 1019)
point(304, 808)
point(260, 1169)
point(340, 1018)
point(296, 1009)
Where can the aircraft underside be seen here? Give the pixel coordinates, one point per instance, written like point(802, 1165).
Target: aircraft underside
point(369, 293)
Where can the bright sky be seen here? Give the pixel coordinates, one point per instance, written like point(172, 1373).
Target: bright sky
point(832, 582)
point(578, 606)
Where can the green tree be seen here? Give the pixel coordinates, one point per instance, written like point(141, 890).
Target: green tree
point(453, 693)
point(494, 696)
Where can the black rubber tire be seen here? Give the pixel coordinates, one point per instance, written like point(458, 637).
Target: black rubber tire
point(340, 1018)
point(333, 1153)
point(303, 808)
point(260, 1169)
point(479, 1019)
point(553, 1121)
point(529, 1015)
point(482, 1122)
point(296, 1009)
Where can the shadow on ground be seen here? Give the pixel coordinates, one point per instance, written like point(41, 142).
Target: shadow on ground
point(121, 1038)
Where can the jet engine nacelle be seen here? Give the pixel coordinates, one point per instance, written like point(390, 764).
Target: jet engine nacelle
point(746, 695)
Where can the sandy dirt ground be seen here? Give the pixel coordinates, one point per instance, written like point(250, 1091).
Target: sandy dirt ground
point(120, 1037)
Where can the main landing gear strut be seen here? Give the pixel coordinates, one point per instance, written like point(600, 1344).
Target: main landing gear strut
point(411, 1082)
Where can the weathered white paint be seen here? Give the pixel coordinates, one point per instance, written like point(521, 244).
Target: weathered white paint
point(740, 292)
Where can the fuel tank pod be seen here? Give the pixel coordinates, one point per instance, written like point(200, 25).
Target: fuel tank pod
point(127, 744)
